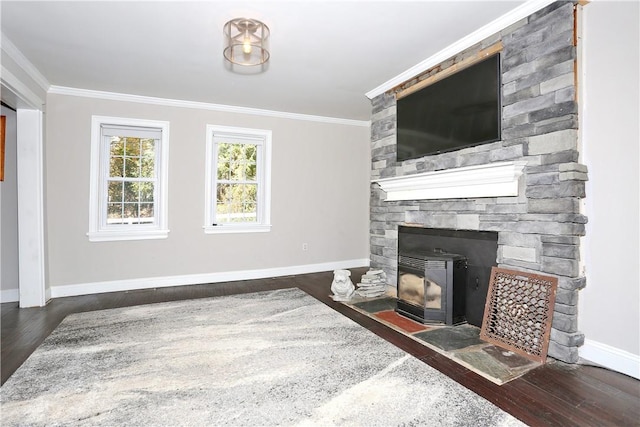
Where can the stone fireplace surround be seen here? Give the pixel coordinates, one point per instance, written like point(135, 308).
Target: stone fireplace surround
point(537, 209)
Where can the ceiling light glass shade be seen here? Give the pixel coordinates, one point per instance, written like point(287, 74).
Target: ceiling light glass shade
point(246, 42)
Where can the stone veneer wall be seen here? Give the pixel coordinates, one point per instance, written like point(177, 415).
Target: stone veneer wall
point(539, 230)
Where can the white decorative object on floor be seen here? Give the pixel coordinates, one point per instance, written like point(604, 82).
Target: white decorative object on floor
point(342, 286)
point(373, 284)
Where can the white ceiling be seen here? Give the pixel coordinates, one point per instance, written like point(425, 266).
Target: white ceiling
point(325, 55)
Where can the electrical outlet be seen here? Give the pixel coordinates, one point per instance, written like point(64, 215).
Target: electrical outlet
point(305, 246)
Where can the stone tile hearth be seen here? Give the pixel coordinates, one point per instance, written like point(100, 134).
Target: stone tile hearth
point(461, 343)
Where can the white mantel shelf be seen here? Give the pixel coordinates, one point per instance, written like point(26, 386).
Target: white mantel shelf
point(498, 179)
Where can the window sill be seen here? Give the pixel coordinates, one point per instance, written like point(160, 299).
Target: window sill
point(226, 229)
point(109, 236)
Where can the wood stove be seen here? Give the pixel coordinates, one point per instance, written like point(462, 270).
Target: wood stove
point(431, 286)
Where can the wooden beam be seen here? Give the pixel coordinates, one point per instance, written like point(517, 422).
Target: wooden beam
point(484, 53)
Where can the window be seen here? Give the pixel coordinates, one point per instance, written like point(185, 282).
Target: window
point(238, 180)
point(128, 197)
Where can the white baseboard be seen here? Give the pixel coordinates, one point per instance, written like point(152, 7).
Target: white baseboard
point(194, 279)
point(611, 357)
point(10, 295)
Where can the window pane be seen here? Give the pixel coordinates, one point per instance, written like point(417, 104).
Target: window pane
point(251, 193)
point(223, 193)
point(132, 167)
point(146, 191)
point(116, 146)
point(250, 159)
point(236, 203)
point(131, 210)
point(223, 170)
point(250, 212)
point(146, 210)
point(235, 208)
point(115, 191)
point(236, 152)
point(223, 151)
point(114, 211)
point(237, 193)
point(147, 168)
point(130, 192)
point(250, 171)
point(132, 147)
point(147, 147)
point(116, 167)
point(236, 162)
point(226, 206)
point(147, 162)
point(251, 152)
point(235, 171)
point(222, 213)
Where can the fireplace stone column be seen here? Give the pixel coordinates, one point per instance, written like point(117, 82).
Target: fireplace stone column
point(539, 229)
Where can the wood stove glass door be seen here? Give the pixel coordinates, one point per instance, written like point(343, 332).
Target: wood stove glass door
point(420, 291)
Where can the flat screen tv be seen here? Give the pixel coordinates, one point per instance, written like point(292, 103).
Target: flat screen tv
point(461, 110)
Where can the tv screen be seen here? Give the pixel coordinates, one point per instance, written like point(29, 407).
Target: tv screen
point(461, 110)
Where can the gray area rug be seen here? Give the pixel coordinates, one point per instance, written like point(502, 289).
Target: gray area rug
point(269, 358)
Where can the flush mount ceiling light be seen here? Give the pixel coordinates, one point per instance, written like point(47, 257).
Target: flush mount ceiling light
point(246, 42)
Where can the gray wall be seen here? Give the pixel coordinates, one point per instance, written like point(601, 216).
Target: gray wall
point(609, 310)
point(319, 196)
point(9, 212)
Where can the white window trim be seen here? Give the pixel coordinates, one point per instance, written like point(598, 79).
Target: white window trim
point(264, 171)
point(97, 231)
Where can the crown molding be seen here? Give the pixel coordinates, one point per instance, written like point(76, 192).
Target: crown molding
point(113, 96)
point(466, 42)
point(13, 83)
point(14, 53)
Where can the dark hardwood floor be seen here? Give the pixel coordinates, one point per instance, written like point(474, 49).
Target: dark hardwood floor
point(555, 394)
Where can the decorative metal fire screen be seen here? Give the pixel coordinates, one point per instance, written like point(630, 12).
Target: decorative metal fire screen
point(519, 311)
